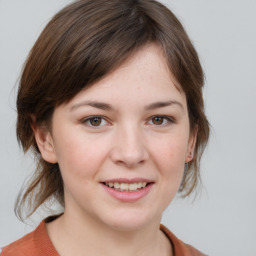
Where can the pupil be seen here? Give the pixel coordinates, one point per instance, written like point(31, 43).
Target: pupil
point(96, 121)
point(158, 120)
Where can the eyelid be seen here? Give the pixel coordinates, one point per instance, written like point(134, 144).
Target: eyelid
point(169, 119)
point(88, 118)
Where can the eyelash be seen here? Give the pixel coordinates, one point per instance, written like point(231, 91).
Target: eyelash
point(166, 119)
point(87, 120)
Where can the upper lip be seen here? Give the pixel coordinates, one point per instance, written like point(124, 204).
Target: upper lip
point(129, 181)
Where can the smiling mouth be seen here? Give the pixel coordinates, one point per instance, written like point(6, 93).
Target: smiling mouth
point(126, 187)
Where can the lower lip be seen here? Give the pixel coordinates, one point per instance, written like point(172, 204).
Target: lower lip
point(128, 196)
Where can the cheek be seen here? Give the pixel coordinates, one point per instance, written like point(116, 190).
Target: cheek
point(170, 151)
point(169, 157)
point(79, 157)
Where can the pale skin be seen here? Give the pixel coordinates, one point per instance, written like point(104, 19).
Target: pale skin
point(131, 124)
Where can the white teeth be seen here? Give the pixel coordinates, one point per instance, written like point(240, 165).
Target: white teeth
point(139, 184)
point(126, 186)
point(116, 185)
point(111, 184)
point(133, 186)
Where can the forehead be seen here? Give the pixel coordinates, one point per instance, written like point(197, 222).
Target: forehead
point(145, 75)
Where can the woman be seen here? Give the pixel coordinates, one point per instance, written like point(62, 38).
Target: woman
point(110, 101)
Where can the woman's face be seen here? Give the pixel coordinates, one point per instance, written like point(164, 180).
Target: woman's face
point(121, 144)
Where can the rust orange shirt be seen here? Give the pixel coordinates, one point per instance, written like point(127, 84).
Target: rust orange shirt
point(38, 243)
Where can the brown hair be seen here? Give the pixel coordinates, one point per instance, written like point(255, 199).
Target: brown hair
point(80, 45)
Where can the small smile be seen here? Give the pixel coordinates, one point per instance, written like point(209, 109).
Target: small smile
point(126, 187)
point(128, 190)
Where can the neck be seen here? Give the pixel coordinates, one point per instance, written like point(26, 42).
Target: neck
point(86, 236)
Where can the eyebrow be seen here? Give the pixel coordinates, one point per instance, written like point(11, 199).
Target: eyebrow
point(99, 105)
point(108, 107)
point(161, 104)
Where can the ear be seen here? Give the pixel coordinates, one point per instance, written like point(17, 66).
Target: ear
point(44, 142)
point(191, 144)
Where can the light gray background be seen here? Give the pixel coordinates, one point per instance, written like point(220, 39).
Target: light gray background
point(222, 220)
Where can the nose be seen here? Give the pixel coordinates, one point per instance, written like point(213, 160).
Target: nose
point(129, 147)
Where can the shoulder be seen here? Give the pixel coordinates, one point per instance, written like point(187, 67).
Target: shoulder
point(180, 248)
point(21, 246)
point(36, 243)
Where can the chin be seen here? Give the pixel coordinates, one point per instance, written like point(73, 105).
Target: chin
point(131, 220)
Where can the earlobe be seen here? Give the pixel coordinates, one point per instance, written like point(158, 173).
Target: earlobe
point(44, 142)
point(191, 145)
